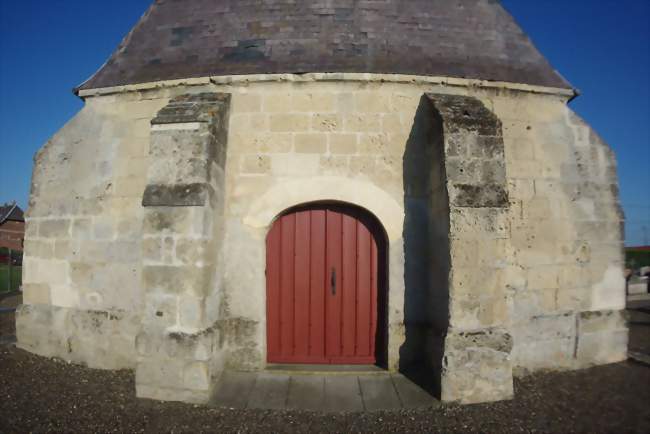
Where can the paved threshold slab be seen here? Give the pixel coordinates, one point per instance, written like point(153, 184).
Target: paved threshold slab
point(342, 394)
point(410, 394)
point(270, 392)
point(327, 393)
point(234, 389)
point(306, 392)
point(379, 393)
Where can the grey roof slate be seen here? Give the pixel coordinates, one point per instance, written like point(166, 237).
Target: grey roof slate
point(474, 39)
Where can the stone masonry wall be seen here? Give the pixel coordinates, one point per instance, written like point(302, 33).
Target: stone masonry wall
point(565, 277)
point(294, 142)
point(82, 259)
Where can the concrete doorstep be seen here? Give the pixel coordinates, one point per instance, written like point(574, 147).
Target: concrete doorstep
point(322, 392)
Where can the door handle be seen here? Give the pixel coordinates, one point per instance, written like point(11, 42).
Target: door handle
point(333, 281)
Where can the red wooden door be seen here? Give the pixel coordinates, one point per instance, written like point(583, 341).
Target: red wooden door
point(321, 279)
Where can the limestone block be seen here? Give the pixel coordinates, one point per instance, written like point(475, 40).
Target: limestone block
point(464, 252)
point(608, 289)
point(334, 164)
point(66, 250)
point(477, 366)
point(270, 142)
point(56, 228)
point(103, 228)
point(311, 143)
point(166, 373)
point(246, 102)
point(546, 327)
point(285, 165)
point(477, 223)
point(36, 293)
point(602, 321)
point(478, 196)
point(531, 355)
point(544, 277)
point(314, 102)
point(601, 348)
point(191, 312)
point(290, 122)
point(472, 311)
point(362, 164)
point(176, 280)
point(38, 249)
point(477, 281)
point(31, 228)
point(521, 189)
point(161, 309)
point(255, 164)
point(392, 123)
point(82, 229)
point(534, 302)
point(159, 221)
point(361, 123)
point(277, 102)
point(528, 169)
point(326, 122)
point(48, 271)
point(171, 394)
point(196, 376)
point(372, 102)
point(193, 251)
point(135, 146)
point(342, 143)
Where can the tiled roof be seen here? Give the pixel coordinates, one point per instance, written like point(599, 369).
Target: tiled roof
point(474, 39)
point(11, 211)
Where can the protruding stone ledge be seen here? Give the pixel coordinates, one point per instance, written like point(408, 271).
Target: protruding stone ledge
point(201, 107)
point(176, 195)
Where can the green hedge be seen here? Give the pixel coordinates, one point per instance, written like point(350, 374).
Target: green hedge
point(16, 278)
point(637, 258)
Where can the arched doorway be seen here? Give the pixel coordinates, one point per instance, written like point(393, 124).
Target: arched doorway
point(326, 286)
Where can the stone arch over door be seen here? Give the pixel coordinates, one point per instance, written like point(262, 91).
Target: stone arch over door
point(326, 286)
point(288, 193)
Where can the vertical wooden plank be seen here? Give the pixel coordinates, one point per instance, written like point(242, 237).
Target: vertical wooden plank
point(348, 285)
point(374, 275)
point(333, 304)
point(273, 244)
point(302, 281)
point(318, 285)
point(364, 291)
point(287, 284)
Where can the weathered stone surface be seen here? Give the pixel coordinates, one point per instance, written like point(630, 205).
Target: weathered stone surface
point(175, 195)
point(99, 339)
point(500, 211)
point(202, 107)
point(476, 366)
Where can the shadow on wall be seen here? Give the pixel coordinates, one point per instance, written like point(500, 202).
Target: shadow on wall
point(426, 250)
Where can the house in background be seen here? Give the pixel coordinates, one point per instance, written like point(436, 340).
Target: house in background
point(12, 226)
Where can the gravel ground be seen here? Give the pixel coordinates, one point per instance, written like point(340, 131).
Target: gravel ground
point(45, 395)
point(639, 322)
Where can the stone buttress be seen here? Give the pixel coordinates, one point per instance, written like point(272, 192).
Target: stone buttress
point(178, 345)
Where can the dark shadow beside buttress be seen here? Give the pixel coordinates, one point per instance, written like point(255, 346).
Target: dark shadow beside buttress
point(426, 250)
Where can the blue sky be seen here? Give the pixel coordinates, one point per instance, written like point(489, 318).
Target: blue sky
point(600, 46)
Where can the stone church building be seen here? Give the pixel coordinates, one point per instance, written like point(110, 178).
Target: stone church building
point(353, 182)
